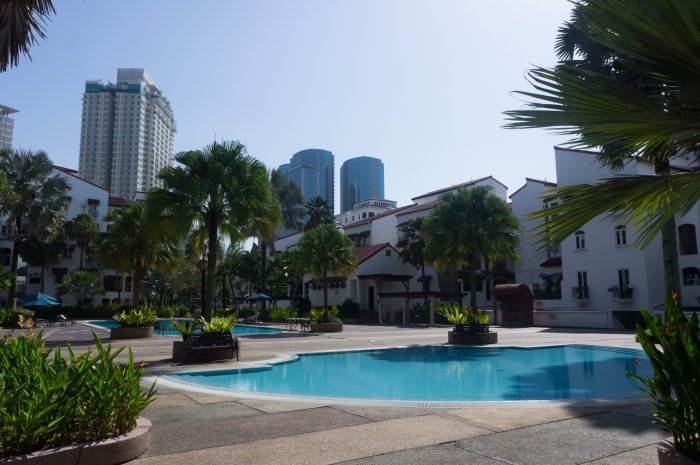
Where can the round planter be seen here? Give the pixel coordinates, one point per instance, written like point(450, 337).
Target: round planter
point(326, 327)
point(669, 455)
point(471, 339)
point(459, 329)
point(140, 332)
point(179, 351)
point(106, 452)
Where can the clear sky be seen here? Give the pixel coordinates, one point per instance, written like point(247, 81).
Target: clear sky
point(419, 84)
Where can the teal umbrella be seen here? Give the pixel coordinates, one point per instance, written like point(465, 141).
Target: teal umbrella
point(259, 297)
point(39, 300)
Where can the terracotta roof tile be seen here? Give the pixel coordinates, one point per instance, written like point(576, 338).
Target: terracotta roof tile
point(364, 253)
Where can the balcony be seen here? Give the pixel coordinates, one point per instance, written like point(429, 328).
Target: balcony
point(581, 295)
point(621, 295)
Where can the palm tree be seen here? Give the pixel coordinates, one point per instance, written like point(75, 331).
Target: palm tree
point(412, 246)
point(82, 285)
point(324, 250)
point(138, 240)
point(469, 227)
point(22, 26)
point(43, 250)
point(83, 229)
point(40, 199)
point(633, 92)
point(7, 196)
point(220, 188)
point(318, 212)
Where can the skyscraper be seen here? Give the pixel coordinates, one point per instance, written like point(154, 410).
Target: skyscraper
point(313, 170)
point(127, 133)
point(7, 125)
point(361, 178)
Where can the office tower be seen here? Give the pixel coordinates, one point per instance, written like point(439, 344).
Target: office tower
point(361, 178)
point(313, 170)
point(127, 133)
point(7, 125)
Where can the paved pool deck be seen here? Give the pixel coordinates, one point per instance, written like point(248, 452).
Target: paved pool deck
point(201, 428)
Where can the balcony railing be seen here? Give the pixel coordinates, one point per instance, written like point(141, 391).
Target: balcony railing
point(580, 293)
point(621, 294)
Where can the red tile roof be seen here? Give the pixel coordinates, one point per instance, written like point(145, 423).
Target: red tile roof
point(420, 207)
point(364, 253)
point(457, 186)
point(372, 218)
point(117, 202)
point(546, 183)
point(74, 173)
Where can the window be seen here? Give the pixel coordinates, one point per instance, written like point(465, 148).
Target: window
point(388, 252)
point(580, 240)
point(623, 284)
point(691, 276)
point(620, 235)
point(34, 280)
point(581, 291)
point(687, 240)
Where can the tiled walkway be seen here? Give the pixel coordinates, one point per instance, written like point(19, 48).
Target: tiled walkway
point(197, 428)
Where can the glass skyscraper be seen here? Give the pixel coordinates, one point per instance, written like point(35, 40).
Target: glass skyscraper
point(313, 170)
point(361, 178)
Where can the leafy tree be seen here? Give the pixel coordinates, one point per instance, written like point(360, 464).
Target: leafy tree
point(633, 91)
point(43, 250)
point(469, 227)
point(412, 247)
point(83, 229)
point(82, 285)
point(290, 200)
point(220, 188)
point(22, 26)
point(7, 196)
point(138, 240)
point(40, 199)
point(318, 213)
point(325, 250)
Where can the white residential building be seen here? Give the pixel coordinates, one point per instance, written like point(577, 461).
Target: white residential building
point(127, 133)
point(7, 126)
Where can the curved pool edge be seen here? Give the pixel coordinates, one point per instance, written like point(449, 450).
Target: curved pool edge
point(167, 381)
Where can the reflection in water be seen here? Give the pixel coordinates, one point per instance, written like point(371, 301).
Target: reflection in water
point(447, 373)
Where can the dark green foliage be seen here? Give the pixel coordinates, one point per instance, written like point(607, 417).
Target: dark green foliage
point(136, 318)
point(325, 315)
point(281, 314)
point(10, 318)
point(48, 401)
point(349, 309)
point(673, 388)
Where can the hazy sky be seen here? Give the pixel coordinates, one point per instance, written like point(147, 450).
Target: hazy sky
point(418, 84)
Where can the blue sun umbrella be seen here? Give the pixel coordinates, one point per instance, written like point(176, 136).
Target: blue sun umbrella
point(39, 300)
point(259, 297)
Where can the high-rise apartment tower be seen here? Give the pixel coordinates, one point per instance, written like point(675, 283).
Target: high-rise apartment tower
point(313, 170)
point(361, 178)
point(7, 125)
point(127, 133)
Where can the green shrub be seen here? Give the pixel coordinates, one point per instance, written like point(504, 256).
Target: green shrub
point(349, 309)
point(280, 314)
point(454, 314)
point(185, 327)
point(228, 311)
point(137, 318)
point(222, 324)
point(325, 315)
point(165, 311)
point(49, 401)
point(10, 318)
point(478, 317)
point(673, 388)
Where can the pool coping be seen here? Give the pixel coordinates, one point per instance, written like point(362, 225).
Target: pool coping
point(167, 381)
point(280, 330)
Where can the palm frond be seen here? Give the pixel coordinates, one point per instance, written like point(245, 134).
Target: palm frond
point(22, 24)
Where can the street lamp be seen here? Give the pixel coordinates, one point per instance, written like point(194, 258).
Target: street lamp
point(202, 266)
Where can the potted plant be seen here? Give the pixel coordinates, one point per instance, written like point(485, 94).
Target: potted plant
point(219, 324)
point(136, 324)
point(455, 315)
point(673, 387)
point(478, 321)
point(325, 320)
point(184, 328)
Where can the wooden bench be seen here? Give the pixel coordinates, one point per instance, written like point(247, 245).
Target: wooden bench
point(216, 345)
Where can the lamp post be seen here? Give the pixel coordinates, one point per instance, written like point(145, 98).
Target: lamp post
point(202, 266)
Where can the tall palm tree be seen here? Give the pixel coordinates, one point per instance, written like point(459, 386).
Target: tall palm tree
point(318, 212)
point(82, 285)
point(83, 229)
point(469, 227)
point(43, 250)
point(40, 199)
point(7, 196)
point(221, 188)
point(22, 26)
point(636, 95)
point(325, 250)
point(412, 247)
point(138, 240)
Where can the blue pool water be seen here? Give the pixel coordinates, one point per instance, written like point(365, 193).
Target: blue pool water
point(167, 330)
point(443, 373)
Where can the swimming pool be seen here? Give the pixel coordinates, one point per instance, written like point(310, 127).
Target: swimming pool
point(167, 330)
point(440, 374)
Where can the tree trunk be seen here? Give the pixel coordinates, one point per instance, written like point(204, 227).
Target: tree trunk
point(13, 262)
point(136, 286)
point(211, 266)
point(325, 290)
point(81, 260)
point(472, 286)
point(263, 272)
point(223, 292)
point(669, 244)
point(43, 276)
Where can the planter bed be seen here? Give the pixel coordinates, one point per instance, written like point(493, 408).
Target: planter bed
point(472, 339)
point(106, 452)
point(669, 455)
point(326, 327)
point(131, 333)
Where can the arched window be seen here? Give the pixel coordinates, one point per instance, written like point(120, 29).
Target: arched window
point(580, 240)
point(691, 276)
point(687, 240)
point(621, 235)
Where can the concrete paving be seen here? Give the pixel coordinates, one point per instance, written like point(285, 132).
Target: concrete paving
point(201, 428)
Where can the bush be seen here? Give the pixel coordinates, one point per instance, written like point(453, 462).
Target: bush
point(222, 324)
point(349, 309)
point(325, 315)
point(165, 311)
point(49, 401)
point(302, 305)
point(280, 314)
point(673, 389)
point(10, 318)
point(137, 318)
point(228, 311)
